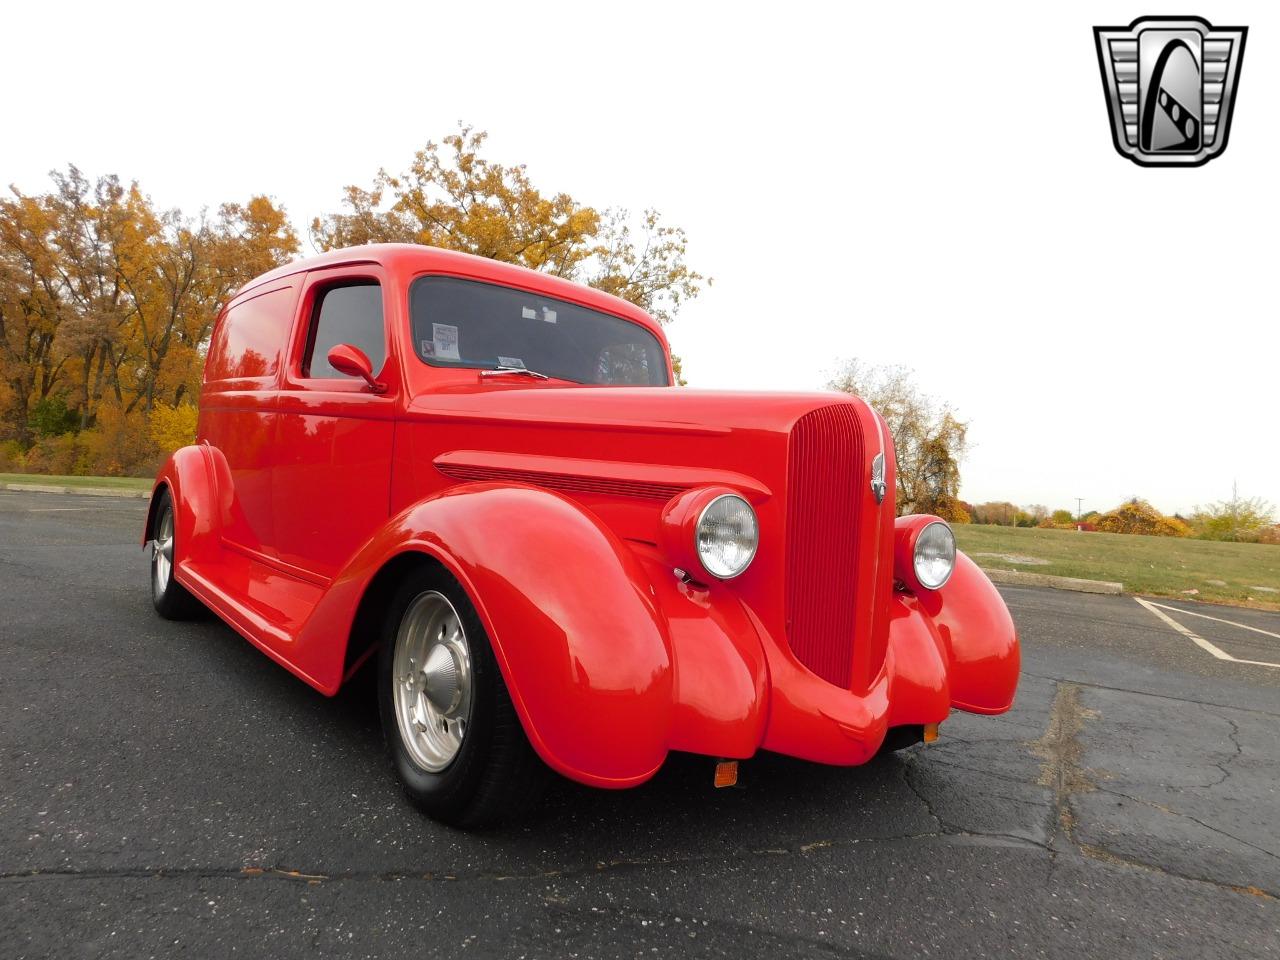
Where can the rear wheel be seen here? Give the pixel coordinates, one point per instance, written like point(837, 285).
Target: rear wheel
point(453, 735)
point(170, 598)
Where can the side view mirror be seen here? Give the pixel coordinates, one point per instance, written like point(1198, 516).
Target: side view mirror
point(352, 361)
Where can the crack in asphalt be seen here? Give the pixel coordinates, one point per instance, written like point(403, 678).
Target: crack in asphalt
point(1186, 816)
point(1103, 855)
point(1234, 736)
point(597, 868)
point(1158, 696)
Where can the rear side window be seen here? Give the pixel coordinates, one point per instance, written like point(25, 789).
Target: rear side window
point(250, 337)
point(352, 314)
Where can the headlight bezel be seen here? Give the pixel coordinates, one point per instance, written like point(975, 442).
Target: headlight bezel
point(907, 533)
point(682, 518)
point(697, 535)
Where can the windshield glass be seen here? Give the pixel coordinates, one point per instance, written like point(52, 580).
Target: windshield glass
point(464, 323)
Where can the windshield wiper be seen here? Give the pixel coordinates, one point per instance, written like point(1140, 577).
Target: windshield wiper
point(503, 371)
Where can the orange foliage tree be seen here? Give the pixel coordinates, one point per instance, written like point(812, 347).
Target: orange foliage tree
point(106, 305)
point(453, 197)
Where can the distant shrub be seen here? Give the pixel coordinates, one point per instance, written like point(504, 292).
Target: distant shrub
point(1054, 524)
point(1139, 517)
point(56, 454)
point(50, 417)
point(13, 459)
point(1063, 517)
point(1240, 519)
point(997, 512)
point(172, 427)
point(116, 446)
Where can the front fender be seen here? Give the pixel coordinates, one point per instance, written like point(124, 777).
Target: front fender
point(956, 644)
point(575, 627)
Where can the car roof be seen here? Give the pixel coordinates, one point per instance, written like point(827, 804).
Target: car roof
point(409, 257)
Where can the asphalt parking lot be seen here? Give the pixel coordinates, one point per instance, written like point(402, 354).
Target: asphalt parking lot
point(169, 791)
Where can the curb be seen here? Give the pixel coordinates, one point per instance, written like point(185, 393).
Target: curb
point(1023, 579)
point(78, 491)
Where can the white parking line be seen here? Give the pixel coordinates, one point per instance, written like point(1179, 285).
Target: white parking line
point(1205, 616)
point(1200, 641)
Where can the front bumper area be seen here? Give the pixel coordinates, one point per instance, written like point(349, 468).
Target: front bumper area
point(952, 648)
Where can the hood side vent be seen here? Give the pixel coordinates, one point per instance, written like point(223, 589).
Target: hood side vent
point(567, 482)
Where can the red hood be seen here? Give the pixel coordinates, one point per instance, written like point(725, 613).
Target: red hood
point(630, 409)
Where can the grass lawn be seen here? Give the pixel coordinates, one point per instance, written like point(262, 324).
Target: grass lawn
point(101, 483)
point(1162, 566)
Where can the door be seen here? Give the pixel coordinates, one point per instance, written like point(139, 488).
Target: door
point(332, 477)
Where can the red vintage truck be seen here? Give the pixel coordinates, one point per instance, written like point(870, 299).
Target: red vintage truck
point(482, 480)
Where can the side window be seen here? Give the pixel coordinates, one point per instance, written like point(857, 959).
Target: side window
point(249, 337)
point(350, 313)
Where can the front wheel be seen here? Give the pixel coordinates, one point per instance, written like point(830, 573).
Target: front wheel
point(170, 598)
point(451, 730)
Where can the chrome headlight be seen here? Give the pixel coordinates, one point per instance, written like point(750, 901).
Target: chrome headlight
point(935, 555)
point(726, 536)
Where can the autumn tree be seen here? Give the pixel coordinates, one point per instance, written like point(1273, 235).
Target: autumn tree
point(929, 439)
point(31, 314)
point(453, 197)
point(107, 302)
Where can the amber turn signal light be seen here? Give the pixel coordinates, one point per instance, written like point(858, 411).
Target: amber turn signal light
point(726, 773)
point(930, 732)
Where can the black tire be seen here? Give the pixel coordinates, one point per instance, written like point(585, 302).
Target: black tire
point(495, 774)
point(168, 596)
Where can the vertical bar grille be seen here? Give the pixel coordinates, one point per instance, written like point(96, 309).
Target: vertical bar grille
point(824, 475)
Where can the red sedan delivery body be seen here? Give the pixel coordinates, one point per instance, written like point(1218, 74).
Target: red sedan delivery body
point(360, 419)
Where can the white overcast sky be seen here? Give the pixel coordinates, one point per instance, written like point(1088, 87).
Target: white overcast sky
point(928, 184)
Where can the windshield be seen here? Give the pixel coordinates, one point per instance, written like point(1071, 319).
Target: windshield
point(464, 323)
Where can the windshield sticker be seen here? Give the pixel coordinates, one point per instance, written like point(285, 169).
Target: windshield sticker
point(444, 341)
point(529, 313)
point(548, 315)
point(511, 362)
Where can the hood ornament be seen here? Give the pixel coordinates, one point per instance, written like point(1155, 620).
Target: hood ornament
point(878, 486)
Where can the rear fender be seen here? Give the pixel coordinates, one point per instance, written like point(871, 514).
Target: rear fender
point(188, 475)
point(572, 616)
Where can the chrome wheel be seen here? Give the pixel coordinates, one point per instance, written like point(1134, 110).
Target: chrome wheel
point(162, 552)
point(431, 677)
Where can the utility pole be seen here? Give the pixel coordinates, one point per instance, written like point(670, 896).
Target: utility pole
point(1079, 514)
